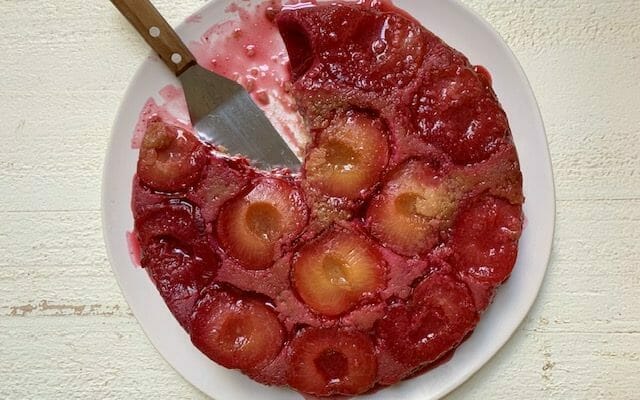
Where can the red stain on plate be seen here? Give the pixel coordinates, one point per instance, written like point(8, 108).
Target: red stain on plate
point(134, 248)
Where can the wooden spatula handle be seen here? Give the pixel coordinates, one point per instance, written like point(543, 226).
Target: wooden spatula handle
point(158, 33)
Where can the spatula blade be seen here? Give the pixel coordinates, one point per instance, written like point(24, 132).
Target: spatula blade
point(224, 114)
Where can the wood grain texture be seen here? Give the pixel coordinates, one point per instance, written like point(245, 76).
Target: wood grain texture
point(67, 333)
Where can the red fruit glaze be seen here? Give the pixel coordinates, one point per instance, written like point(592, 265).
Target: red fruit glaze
point(170, 158)
point(254, 227)
point(236, 331)
point(327, 362)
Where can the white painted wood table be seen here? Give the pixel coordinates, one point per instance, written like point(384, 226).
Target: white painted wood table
point(66, 331)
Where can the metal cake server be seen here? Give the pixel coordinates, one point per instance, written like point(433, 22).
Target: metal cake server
point(222, 112)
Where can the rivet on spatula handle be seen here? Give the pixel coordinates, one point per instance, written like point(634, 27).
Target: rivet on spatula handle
point(158, 33)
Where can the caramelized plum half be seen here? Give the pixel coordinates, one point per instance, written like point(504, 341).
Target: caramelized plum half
point(349, 156)
point(457, 111)
point(176, 254)
point(485, 244)
point(179, 221)
point(361, 48)
point(253, 227)
point(179, 272)
point(411, 209)
point(327, 362)
point(170, 159)
point(236, 332)
point(337, 271)
point(438, 317)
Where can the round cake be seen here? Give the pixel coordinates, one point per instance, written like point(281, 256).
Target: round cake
point(377, 260)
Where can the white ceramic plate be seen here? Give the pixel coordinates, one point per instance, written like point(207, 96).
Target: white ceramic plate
point(463, 30)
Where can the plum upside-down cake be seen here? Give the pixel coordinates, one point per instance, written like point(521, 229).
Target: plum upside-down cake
point(377, 260)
